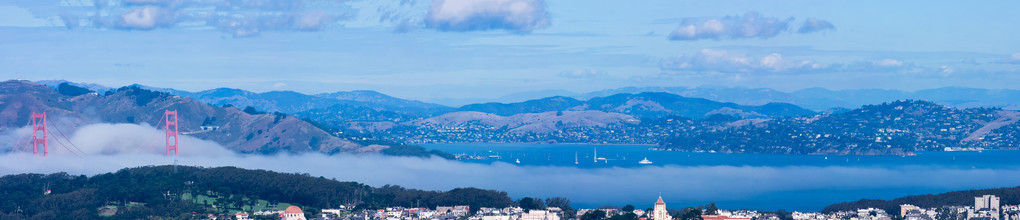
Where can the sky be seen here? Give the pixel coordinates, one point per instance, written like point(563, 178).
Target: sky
point(464, 49)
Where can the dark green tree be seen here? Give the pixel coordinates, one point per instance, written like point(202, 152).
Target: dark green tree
point(628, 208)
point(691, 213)
point(528, 203)
point(710, 209)
point(625, 216)
point(597, 214)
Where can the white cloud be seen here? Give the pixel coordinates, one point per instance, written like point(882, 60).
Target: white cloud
point(888, 63)
point(521, 16)
point(708, 60)
point(114, 139)
point(749, 25)
point(583, 73)
point(815, 25)
point(1012, 59)
point(239, 18)
point(312, 20)
point(946, 70)
point(279, 85)
point(147, 18)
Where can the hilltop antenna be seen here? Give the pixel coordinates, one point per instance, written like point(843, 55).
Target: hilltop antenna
point(171, 123)
point(38, 122)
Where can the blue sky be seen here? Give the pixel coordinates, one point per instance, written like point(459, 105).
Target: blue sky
point(461, 49)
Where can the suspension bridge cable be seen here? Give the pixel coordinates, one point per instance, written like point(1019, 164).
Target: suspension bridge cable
point(65, 146)
point(69, 140)
point(15, 147)
point(146, 145)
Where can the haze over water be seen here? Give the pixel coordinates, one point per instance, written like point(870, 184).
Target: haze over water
point(765, 181)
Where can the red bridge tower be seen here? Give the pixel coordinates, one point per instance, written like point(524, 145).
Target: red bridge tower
point(38, 122)
point(171, 132)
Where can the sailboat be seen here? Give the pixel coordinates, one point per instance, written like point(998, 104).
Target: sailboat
point(597, 158)
point(575, 157)
point(645, 161)
point(518, 160)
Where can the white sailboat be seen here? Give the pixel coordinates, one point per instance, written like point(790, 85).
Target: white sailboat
point(575, 157)
point(518, 160)
point(645, 161)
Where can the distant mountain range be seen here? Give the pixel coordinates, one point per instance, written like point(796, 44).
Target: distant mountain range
point(754, 120)
point(238, 131)
point(898, 128)
point(817, 99)
point(820, 99)
point(892, 128)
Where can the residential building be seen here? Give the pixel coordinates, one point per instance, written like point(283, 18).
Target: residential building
point(539, 215)
point(907, 207)
point(241, 216)
point(722, 217)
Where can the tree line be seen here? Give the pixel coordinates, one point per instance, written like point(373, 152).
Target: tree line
point(158, 191)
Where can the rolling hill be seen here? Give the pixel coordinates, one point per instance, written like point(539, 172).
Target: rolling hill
point(238, 131)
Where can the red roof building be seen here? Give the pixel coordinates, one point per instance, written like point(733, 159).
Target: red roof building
point(293, 213)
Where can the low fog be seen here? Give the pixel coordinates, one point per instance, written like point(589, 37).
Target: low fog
point(109, 147)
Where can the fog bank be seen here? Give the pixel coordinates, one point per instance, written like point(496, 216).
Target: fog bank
point(109, 147)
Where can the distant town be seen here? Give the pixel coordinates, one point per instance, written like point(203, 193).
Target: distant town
point(985, 207)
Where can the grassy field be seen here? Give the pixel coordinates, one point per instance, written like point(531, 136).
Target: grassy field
point(260, 204)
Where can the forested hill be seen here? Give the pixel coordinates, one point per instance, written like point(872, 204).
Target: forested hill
point(957, 198)
point(164, 191)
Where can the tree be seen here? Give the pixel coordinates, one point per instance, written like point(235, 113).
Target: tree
point(528, 203)
point(625, 216)
point(597, 214)
point(691, 213)
point(252, 111)
point(70, 90)
point(628, 208)
point(710, 209)
point(562, 203)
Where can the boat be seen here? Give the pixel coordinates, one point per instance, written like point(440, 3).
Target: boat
point(575, 157)
point(518, 160)
point(597, 158)
point(645, 161)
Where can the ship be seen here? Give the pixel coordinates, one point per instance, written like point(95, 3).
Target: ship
point(518, 160)
point(645, 161)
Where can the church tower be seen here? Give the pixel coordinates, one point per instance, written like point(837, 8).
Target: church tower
point(660, 213)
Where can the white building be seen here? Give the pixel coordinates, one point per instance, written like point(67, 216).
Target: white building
point(660, 212)
point(241, 216)
point(986, 206)
point(539, 215)
point(336, 212)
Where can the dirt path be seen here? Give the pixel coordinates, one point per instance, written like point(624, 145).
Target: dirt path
point(1005, 118)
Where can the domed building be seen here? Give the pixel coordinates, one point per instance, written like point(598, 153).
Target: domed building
point(293, 213)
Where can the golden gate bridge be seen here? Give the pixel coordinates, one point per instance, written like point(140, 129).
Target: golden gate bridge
point(40, 136)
